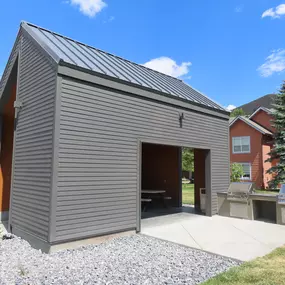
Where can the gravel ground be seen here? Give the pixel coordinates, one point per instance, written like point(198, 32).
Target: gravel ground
point(134, 260)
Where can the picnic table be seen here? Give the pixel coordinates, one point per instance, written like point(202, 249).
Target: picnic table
point(153, 191)
point(149, 194)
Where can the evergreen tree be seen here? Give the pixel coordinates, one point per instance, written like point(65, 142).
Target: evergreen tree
point(277, 154)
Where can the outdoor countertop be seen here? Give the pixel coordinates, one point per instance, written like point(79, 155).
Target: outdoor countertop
point(263, 197)
point(257, 196)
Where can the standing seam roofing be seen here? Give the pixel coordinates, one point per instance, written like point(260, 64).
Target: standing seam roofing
point(84, 56)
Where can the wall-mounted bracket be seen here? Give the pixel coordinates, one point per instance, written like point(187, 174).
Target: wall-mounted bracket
point(181, 118)
point(18, 104)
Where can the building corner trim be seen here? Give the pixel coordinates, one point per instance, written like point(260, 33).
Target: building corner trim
point(54, 169)
point(14, 139)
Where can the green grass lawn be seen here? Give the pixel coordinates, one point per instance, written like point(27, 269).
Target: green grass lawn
point(267, 270)
point(188, 194)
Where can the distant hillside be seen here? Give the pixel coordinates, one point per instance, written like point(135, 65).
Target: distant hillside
point(265, 101)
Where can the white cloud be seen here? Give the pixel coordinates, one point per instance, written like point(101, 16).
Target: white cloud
point(274, 13)
point(268, 13)
point(275, 62)
point(169, 66)
point(89, 7)
point(230, 107)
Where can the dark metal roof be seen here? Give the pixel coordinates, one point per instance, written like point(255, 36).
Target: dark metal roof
point(74, 53)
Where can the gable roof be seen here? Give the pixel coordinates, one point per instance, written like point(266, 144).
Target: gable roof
point(268, 111)
point(264, 101)
point(66, 51)
point(251, 124)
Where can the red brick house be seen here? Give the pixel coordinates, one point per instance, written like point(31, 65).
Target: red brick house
point(251, 139)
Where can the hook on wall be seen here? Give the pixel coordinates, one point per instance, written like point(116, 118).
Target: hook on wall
point(181, 118)
point(18, 106)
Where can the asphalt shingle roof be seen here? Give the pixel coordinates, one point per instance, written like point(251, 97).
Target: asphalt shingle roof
point(264, 101)
point(250, 123)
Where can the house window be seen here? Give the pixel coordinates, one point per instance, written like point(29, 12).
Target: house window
point(246, 171)
point(241, 144)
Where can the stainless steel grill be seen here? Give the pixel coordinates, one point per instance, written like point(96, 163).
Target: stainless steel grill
point(238, 198)
point(239, 191)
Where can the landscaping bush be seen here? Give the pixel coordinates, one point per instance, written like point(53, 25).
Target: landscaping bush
point(236, 172)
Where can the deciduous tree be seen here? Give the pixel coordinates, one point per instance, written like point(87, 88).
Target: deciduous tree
point(187, 159)
point(236, 172)
point(237, 112)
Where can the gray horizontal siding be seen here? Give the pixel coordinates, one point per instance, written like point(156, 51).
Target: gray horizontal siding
point(97, 157)
point(33, 142)
point(10, 64)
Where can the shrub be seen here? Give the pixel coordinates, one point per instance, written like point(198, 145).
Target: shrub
point(236, 172)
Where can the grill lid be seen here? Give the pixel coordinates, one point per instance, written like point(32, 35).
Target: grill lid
point(240, 187)
point(240, 190)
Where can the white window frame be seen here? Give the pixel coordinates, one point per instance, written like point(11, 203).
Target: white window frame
point(249, 164)
point(233, 145)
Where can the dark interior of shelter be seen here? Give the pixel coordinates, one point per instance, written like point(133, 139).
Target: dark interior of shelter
point(161, 180)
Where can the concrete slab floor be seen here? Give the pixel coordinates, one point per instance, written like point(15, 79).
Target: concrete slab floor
point(236, 238)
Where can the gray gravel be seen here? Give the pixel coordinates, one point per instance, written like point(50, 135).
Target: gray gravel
point(129, 260)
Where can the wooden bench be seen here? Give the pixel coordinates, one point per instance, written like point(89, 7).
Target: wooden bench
point(163, 197)
point(166, 201)
point(145, 201)
point(167, 198)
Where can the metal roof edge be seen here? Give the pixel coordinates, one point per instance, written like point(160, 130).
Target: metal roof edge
point(48, 51)
point(251, 125)
point(6, 76)
point(83, 74)
point(257, 110)
point(207, 97)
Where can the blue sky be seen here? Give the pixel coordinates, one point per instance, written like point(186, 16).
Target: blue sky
point(231, 50)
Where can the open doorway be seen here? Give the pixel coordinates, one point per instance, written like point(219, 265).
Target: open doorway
point(167, 184)
point(160, 179)
point(188, 179)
